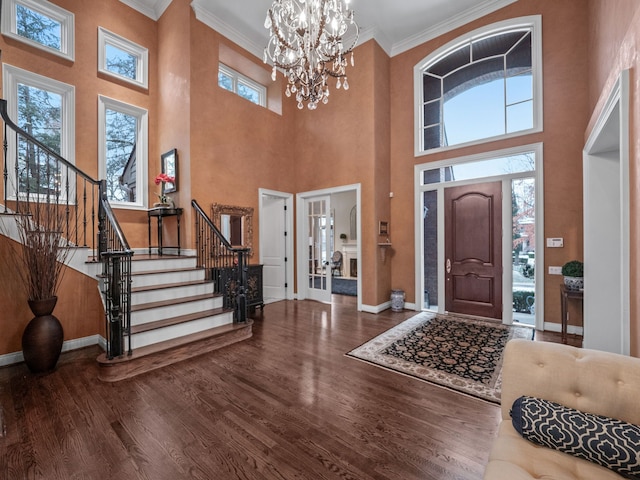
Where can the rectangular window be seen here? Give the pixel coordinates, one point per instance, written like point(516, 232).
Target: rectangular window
point(122, 135)
point(40, 115)
point(243, 86)
point(44, 108)
point(41, 24)
point(121, 58)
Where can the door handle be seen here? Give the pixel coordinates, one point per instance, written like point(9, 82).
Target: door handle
point(448, 265)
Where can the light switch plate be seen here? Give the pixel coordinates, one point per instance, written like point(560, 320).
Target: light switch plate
point(555, 270)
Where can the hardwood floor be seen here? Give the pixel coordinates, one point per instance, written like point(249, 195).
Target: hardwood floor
point(285, 404)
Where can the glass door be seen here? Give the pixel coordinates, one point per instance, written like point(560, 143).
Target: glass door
point(319, 244)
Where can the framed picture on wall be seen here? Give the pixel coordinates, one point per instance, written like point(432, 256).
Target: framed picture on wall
point(383, 228)
point(170, 168)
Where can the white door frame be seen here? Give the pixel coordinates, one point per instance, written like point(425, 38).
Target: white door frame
point(288, 198)
point(301, 242)
point(507, 261)
point(607, 317)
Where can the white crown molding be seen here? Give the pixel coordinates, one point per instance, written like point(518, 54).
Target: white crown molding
point(484, 8)
point(151, 8)
point(205, 16)
point(376, 34)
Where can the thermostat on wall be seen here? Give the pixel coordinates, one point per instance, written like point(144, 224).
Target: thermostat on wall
point(555, 242)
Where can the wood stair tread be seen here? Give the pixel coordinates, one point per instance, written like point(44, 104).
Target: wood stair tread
point(146, 256)
point(170, 285)
point(168, 322)
point(172, 301)
point(167, 270)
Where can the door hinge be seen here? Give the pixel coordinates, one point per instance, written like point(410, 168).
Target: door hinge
point(285, 234)
point(286, 285)
point(286, 259)
point(285, 207)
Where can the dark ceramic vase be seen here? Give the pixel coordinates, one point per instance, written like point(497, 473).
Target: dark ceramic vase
point(42, 338)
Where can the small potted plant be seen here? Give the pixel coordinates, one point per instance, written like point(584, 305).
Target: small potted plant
point(573, 273)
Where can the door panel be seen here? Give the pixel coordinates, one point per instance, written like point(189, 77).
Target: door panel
point(273, 248)
point(473, 249)
point(318, 232)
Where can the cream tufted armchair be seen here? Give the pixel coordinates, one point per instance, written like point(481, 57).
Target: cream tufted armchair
point(591, 381)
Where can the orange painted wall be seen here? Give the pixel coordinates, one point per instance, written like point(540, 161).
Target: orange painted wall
point(346, 142)
point(565, 116)
point(614, 46)
point(174, 110)
point(236, 147)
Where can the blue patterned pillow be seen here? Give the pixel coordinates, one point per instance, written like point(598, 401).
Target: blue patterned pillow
point(608, 442)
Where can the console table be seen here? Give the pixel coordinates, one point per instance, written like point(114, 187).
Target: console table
point(159, 213)
point(565, 296)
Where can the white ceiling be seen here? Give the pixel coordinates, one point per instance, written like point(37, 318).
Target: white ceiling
point(397, 25)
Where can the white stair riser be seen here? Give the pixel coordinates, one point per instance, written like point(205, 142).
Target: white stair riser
point(175, 331)
point(176, 310)
point(167, 263)
point(155, 279)
point(158, 295)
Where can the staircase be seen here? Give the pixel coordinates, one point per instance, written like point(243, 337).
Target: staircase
point(174, 316)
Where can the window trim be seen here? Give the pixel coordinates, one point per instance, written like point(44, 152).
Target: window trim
point(142, 148)
point(9, 26)
point(238, 78)
point(105, 37)
point(11, 77)
point(535, 23)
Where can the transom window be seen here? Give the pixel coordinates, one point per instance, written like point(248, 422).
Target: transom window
point(122, 58)
point(235, 82)
point(484, 86)
point(41, 24)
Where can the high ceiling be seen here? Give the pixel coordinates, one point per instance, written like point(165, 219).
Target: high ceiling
point(397, 25)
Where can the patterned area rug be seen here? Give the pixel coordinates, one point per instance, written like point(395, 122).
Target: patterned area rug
point(460, 353)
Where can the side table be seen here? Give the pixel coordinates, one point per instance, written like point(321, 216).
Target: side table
point(159, 213)
point(565, 296)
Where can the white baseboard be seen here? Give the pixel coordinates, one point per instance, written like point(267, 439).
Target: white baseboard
point(556, 327)
point(384, 306)
point(76, 343)
point(376, 308)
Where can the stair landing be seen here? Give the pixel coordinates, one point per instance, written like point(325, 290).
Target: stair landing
point(157, 355)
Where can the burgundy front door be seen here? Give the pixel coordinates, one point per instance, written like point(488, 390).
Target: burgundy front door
point(473, 249)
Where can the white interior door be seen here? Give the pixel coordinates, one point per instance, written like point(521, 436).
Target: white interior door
point(273, 247)
point(319, 248)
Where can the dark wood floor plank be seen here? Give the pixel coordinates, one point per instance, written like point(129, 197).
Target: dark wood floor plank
point(285, 404)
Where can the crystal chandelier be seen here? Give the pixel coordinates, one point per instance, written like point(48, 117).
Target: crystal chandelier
point(306, 43)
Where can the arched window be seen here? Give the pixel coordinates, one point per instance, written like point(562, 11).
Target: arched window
point(483, 86)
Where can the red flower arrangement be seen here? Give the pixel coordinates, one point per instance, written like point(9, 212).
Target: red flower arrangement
point(163, 177)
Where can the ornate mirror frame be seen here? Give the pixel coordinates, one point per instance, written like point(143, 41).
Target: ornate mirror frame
point(217, 210)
